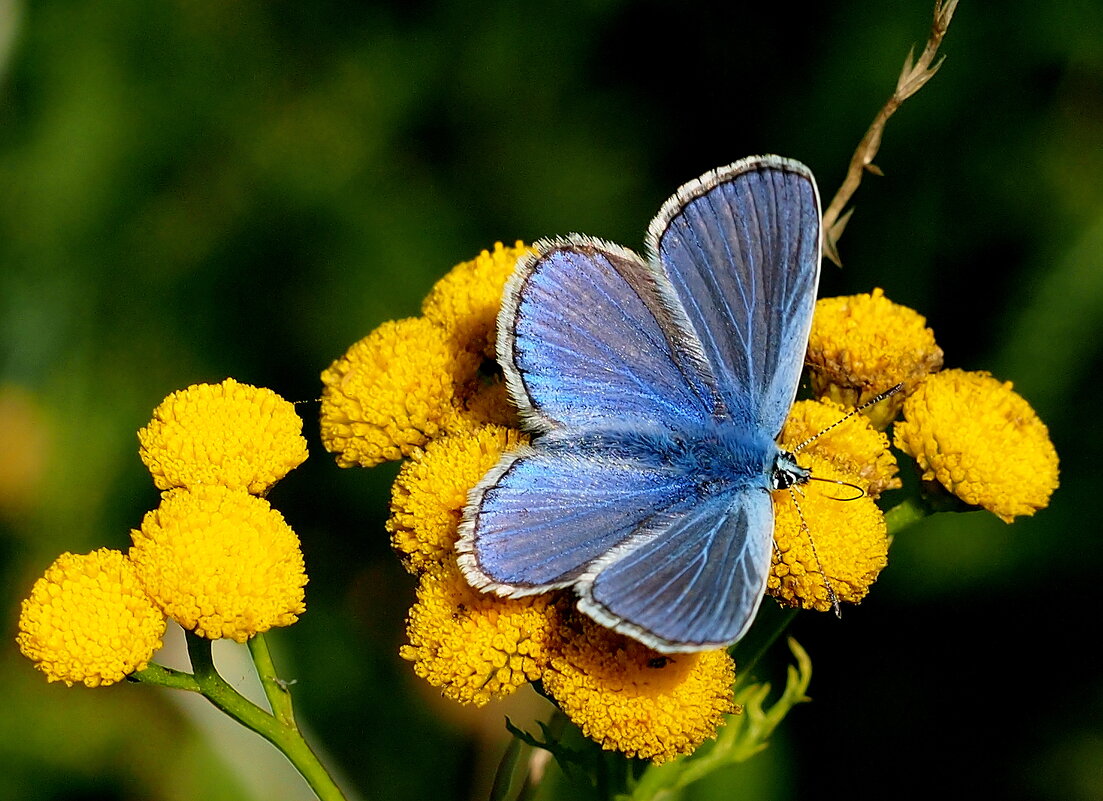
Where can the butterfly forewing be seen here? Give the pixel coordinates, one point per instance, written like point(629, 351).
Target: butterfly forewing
point(741, 247)
point(586, 341)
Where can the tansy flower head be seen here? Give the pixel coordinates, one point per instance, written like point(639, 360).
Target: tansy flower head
point(88, 619)
point(851, 444)
point(846, 538)
point(862, 345)
point(429, 494)
point(465, 302)
point(981, 441)
point(634, 700)
point(392, 391)
point(220, 562)
point(231, 434)
point(475, 646)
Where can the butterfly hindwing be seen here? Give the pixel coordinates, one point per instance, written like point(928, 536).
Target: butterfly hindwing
point(539, 519)
point(691, 580)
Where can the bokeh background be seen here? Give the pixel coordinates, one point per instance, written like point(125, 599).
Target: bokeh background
point(197, 189)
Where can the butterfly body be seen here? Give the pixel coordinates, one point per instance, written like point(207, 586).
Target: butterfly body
point(702, 454)
point(655, 389)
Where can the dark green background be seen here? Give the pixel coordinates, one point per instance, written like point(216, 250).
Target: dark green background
point(196, 189)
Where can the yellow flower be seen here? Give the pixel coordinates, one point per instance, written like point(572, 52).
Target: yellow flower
point(847, 538)
point(465, 302)
point(475, 646)
point(220, 562)
point(429, 494)
point(486, 402)
point(862, 345)
point(391, 392)
point(631, 699)
point(852, 445)
point(231, 434)
point(410, 380)
point(981, 441)
point(88, 619)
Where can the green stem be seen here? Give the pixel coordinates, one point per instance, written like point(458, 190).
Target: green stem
point(284, 736)
point(275, 690)
point(161, 676)
point(503, 776)
point(908, 511)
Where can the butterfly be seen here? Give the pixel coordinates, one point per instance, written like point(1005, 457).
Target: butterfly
point(655, 389)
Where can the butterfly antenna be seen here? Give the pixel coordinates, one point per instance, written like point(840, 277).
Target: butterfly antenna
point(831, 596)
point(861, 492)
point(848, 415)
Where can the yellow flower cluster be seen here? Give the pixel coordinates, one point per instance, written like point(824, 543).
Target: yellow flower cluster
point(228, 434)
point(628, 699)
point(844, 544)
point(861, 345)
point(89, 620)
point(214, 556)
point(391, 392)
point(410, 380)
point(425, 390)
point(969, 432)
point(220, 562)
point(472, 645)
point(980, 440)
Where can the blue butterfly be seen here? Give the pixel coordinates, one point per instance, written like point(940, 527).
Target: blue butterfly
point(656, 389)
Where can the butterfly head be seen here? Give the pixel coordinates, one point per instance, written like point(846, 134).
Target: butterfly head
point(787, 473)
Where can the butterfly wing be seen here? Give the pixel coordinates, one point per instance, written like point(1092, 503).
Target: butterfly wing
point(587, 337)
point(690, 580)
point(540, 518)
point(741, 248)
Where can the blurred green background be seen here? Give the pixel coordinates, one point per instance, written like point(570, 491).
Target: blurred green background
point(194, 189)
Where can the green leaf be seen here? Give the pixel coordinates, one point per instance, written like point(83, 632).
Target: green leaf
point(742, 736)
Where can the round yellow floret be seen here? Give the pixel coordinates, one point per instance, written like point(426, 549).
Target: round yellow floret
point(982, 441)
point(851, 444)
point(631, 699)
point(220, 562)
point(89, 620)
point(847, 538)
point(231, 434)
point(430, 492)
point(465, 302)
point(862, 345)
point(391, 392)
point(475, 646)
